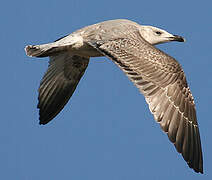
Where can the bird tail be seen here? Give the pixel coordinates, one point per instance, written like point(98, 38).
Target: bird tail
point(51, 49)
point(43, 50)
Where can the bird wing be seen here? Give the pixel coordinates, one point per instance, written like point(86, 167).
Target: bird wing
point(58, 84)
point(162, 81)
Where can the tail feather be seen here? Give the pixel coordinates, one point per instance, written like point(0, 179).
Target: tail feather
point(39, 50)
point(51, 49)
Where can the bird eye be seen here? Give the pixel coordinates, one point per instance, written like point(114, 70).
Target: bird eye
point(158, 32)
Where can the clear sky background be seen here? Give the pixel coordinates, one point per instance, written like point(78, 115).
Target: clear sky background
point(106, 131)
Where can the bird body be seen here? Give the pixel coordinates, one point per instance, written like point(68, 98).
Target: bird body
point(158, 76)
point(78, 41)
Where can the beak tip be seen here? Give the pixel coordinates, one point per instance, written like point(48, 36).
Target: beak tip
point(179, 38)
point(184, 40)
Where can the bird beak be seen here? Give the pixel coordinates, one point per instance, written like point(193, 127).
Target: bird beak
point(177, 38)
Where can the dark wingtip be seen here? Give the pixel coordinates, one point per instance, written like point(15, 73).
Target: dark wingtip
point(44, 121)
point(199, 171)
point(41, 123)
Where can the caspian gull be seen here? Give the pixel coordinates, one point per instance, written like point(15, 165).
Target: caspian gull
point(158, 76)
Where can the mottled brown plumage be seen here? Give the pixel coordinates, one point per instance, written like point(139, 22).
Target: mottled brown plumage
point(158, 76)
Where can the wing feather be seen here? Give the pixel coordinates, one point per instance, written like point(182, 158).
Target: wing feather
point(58, 84)
point(162, 81)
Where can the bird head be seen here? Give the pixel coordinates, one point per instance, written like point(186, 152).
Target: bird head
point(154, 35)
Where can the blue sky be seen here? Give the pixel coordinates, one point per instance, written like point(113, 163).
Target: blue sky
point(106, 131)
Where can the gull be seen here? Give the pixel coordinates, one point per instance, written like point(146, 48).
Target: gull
point(158, 76)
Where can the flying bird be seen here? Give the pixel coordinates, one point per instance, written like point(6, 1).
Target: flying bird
point(158, 76)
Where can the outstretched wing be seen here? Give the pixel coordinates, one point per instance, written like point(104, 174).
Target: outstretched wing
point(58, 84)
point(162, 81)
